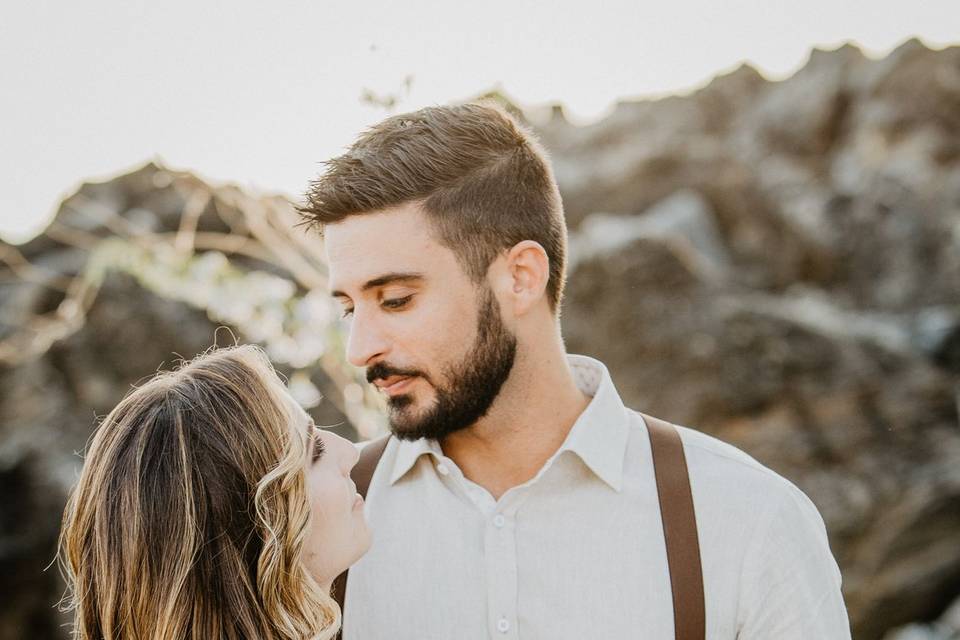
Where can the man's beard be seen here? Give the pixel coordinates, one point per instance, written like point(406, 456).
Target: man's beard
point(472, 384)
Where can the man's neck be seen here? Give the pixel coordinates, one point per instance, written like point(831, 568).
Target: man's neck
point(529, 421)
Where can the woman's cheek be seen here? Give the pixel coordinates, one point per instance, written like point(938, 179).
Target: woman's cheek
point(327, 499)
point(318, 505)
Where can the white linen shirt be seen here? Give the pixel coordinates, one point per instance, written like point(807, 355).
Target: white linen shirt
point(578, 551)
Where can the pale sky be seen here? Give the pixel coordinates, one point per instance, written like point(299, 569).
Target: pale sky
point(259, 93)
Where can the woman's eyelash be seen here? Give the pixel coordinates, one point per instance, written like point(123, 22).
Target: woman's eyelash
point(318, 446)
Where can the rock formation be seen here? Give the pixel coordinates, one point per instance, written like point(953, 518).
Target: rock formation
point(778, 264)
point(774, 263)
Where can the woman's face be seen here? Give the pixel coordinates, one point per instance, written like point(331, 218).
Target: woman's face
point(337, 535)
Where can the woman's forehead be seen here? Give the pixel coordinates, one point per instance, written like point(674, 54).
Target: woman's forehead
point(296, 411)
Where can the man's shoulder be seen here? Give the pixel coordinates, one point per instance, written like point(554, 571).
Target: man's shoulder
point(729, 474)
point(380, 447)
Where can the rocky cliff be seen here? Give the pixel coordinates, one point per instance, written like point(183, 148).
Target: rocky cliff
point(778, 264)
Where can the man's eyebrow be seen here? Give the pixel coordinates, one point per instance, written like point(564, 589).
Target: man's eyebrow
point(387, 278)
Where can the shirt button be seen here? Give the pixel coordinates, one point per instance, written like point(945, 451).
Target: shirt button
point(503, 625)
point(498, 522)
point(442, 469)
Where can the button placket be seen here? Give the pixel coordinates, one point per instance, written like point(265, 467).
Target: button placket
point(501, 560)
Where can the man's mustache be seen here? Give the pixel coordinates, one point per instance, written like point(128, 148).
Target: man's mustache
point(382, 371)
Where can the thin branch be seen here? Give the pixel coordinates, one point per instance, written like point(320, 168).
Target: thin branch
point(192, 210)
point(96, 211)
point(309, 244)
point(29, 272)
point(306, 274)
point(72, 236)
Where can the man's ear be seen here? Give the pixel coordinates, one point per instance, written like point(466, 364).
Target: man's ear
point(527, 270)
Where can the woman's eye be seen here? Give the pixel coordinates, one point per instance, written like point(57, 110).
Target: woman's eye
point(346, 314)
point(396, 303)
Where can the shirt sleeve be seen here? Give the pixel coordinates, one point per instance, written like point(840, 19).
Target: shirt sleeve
point(790, 582)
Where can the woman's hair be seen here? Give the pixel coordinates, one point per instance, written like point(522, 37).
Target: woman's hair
point(189, 517)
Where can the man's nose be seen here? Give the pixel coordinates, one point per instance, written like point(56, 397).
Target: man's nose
point(365, 342)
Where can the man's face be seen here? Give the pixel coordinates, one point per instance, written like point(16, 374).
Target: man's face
point(431, 340)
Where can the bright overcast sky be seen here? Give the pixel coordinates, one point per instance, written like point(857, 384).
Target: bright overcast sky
point(258, 93)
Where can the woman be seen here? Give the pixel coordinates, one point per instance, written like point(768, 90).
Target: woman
point(210, 506)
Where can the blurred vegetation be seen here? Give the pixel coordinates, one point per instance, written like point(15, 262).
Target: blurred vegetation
point(262, 277)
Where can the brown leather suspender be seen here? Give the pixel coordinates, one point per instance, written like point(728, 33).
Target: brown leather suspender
point(676, 512)
point(679, 529)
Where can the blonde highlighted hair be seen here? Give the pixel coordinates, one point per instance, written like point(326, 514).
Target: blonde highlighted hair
point(189, 517)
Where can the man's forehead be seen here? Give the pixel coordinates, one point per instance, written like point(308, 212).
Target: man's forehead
point(375, 246)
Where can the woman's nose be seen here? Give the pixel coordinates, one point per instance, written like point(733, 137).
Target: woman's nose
point(347, 453)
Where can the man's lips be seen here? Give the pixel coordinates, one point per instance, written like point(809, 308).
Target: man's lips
point(393, 384)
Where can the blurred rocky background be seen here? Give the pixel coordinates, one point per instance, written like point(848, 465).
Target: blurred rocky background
point(774, 263)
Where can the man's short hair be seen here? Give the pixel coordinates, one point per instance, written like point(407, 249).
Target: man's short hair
point(480, 176)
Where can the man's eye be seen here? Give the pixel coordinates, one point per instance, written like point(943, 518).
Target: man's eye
point(396, 303)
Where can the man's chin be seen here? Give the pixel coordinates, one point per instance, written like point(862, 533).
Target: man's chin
point(409, 424)
point(406, 431)
point(400, 434)
point(403, 419)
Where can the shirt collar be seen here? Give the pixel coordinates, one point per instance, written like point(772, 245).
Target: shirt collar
point(408, 452)
point(598, 437)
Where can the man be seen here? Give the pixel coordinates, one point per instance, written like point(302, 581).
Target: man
point(517, 498)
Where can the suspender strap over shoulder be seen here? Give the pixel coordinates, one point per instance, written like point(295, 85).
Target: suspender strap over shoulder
point(679, 529)
point(362, 474)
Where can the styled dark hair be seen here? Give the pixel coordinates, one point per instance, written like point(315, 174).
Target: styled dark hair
point(480, 176)
point(189, 516)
